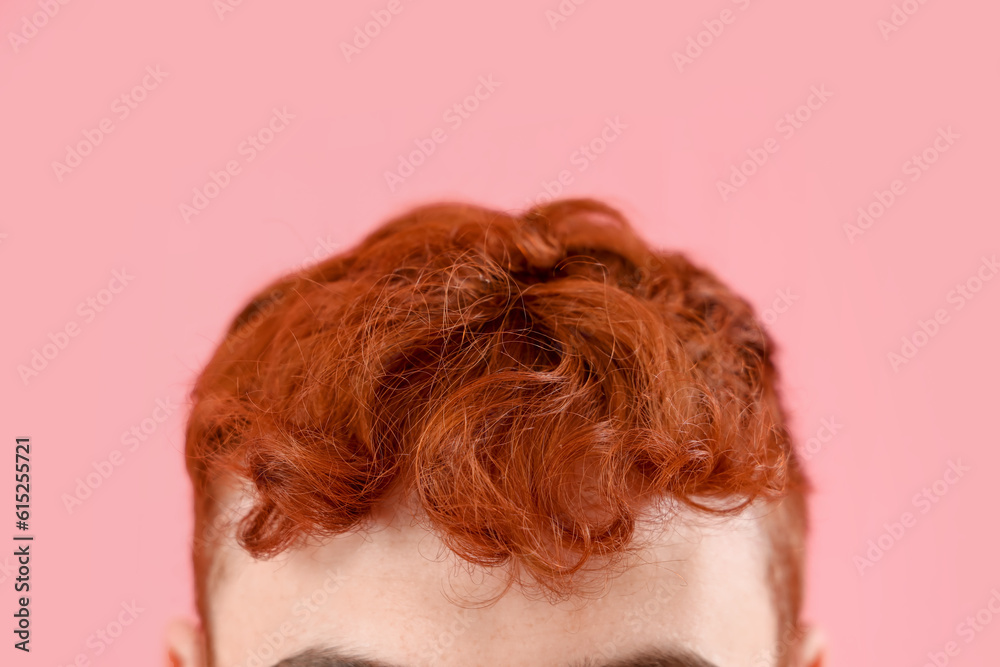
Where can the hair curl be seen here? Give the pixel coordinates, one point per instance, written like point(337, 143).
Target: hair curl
point(534, 381)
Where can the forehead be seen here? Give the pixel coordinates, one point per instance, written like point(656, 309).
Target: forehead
point(397, 594)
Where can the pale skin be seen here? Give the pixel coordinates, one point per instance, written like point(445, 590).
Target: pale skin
point(397, 598)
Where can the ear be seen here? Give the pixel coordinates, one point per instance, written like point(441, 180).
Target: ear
point(812, 649)
point(185, 644)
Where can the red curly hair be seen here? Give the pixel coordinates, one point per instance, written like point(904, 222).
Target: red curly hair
point(534, 381)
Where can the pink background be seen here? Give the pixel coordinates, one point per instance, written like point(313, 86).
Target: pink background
point(320, 184)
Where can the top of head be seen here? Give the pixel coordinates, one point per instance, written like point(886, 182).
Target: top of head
point(531, 385)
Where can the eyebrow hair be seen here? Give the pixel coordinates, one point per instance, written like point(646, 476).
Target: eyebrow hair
point(333, 657)
point(329, 657)
point(651, 658)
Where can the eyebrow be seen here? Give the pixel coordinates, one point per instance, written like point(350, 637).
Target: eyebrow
point(333, 657)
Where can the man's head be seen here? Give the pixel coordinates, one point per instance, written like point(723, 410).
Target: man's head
point(479, 438)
